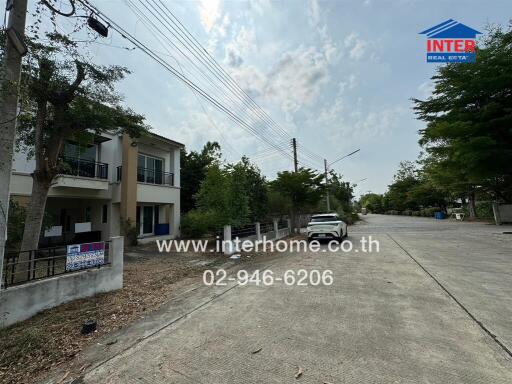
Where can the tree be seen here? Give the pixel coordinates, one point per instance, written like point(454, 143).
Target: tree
point(341, 190)
point(303, 189)
point(65, 98)
point(255, 188)
point(469, 117)
point(194, 166)
point(372, 202)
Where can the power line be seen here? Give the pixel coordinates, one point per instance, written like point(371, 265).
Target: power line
point(174, 72)
point(226, 75)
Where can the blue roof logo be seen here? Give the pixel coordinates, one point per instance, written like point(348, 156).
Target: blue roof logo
point(451, 29)
point(451, 42)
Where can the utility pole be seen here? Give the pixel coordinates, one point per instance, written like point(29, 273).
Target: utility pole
point(295, 162)
point(9, 89)
point(327, 188)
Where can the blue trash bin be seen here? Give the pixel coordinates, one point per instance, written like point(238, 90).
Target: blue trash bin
point(439, 215)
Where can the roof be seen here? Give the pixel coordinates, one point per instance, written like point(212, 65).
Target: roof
point(324, 214)
point(166, 140)
point(450, 29)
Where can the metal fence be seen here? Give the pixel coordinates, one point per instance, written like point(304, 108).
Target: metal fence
point(266, 227)
point(282, 224)
point(24, 266)
point(243, 231)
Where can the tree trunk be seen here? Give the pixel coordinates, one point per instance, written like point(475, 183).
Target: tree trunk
point(293, 220)
point(472, 204)
point(33, 224)
point(35, 213)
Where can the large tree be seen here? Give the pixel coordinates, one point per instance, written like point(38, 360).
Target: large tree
point(66, 97)
point(194, 165)
point(303, 188)
point(469, 120)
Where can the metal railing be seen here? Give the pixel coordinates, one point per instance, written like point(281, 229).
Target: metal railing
point(282, 224)
point(150, 176)
point(243, 231)
point(74, 166)
point(24, 266)
point(266, 227)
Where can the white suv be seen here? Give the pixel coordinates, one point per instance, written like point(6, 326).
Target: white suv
point(326, 226)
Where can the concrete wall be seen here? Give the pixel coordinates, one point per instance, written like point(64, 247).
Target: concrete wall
point(20, 302)
point(502, 213)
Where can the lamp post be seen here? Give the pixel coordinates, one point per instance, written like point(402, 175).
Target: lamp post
point(326, 166)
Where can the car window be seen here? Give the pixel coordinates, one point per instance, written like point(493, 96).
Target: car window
point(321, 219)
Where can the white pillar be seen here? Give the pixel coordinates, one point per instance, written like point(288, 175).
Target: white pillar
point(276, 229)
point(258, 231)
point(227, 244)
point(116, 259)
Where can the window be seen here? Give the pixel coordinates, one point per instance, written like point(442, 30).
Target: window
point(87, 214)
point(104, 214)
point(150, 169)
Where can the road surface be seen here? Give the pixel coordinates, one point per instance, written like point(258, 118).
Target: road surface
point(434, 305)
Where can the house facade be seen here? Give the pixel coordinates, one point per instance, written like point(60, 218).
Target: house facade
point(104, 185)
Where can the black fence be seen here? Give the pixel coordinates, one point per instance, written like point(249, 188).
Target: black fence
point(24, 266)
point(266, 227)
point(243, 231)
point(86, 168)
point(150, 176)
point(282, 224)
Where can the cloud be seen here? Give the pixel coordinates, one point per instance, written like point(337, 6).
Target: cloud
point(297, 77)
point(357, 47)
point(243, 43)
point(209, 13)
point(425, 90)
point(313, 12)
point(218, 31)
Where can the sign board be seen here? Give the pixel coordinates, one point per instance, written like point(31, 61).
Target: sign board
point(82, 256)
point(56, 230)
point(83, 227)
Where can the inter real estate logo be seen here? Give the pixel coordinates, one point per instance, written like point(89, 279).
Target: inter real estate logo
point(451, 42)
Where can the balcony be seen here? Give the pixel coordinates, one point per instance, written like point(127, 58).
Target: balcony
point(73, 166)
point(82, 174)
point(150, 176)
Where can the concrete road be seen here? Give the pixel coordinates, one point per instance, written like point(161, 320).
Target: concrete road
point(434, 305)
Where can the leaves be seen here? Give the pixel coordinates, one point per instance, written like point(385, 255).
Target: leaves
point(468, 138)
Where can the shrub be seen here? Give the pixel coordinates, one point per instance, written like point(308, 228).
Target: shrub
point(197, 223)
point(16, 225)
point(130, 232)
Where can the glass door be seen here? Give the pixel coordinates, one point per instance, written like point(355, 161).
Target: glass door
point(147, 219)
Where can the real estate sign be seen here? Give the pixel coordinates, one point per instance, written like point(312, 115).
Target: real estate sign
point(82, 256)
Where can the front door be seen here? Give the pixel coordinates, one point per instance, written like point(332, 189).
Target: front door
point(147, 219)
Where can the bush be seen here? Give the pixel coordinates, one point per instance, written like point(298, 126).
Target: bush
point(197, 223)
point(130, 232)
point(16, 225)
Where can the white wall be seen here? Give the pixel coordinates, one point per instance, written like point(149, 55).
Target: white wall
point(23, 301)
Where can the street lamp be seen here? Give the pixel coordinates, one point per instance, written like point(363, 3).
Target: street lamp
point(326, 165)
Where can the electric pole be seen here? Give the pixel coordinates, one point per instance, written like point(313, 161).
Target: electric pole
point(295, 162)
point(10, 75)
point(327, 188)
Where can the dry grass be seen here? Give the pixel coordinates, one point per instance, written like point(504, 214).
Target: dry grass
point(28, 350)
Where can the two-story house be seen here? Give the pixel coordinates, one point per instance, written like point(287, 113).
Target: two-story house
point(104, 184)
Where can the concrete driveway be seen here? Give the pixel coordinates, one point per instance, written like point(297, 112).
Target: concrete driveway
point(433, 306)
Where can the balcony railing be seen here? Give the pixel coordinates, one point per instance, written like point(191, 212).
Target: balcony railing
point(150, 176)
point(74, 166)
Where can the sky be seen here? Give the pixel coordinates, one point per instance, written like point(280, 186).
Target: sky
point(337, 75)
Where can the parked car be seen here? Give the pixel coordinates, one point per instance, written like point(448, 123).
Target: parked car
point(326, 226)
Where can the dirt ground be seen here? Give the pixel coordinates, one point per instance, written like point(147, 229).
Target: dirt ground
point(31, 348)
